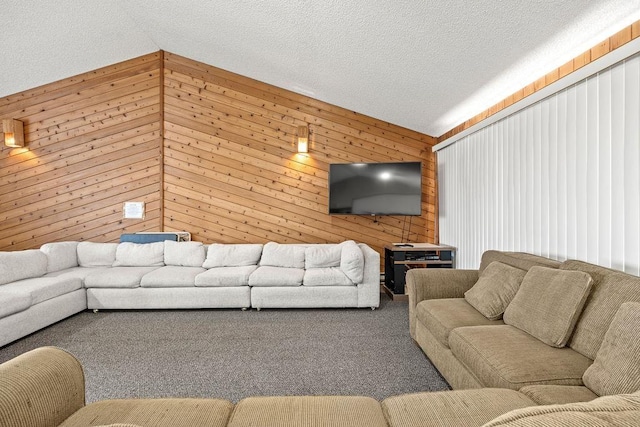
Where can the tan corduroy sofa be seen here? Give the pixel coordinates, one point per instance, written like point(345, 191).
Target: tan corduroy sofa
point(525, 323)
point(45, 387)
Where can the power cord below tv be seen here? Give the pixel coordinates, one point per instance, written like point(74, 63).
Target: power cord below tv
point(402, 239)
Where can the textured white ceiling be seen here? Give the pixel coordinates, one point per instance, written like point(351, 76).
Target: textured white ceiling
point(427, 65)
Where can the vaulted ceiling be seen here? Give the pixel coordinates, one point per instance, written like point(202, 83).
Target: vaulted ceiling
point(424, 64)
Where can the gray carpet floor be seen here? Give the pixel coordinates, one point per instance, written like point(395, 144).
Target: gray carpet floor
point(232, 354)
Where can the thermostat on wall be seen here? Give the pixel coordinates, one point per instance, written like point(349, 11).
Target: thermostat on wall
point(133, 210)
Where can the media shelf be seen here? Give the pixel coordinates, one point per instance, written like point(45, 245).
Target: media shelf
point(399, 258)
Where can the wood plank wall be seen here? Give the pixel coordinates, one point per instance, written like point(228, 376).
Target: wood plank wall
point(231, 173)
point(210, 152)
point(93, 142)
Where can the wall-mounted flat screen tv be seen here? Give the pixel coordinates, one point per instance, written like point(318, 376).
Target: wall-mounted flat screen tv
point(375, 188)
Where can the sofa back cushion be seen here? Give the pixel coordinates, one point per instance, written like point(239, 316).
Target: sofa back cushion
point(521, 260)
point(618, 410)
point(352, 261)
point(14, 301)
point(91, 254)
point(495, 289)
point(611, 288)
point(616, 369)
point(139, 255)
point(20, 265)
point(287, 255)
point(232, 255)
point(330, 276)
point(548, 304)
point(322, 256)
point(60, 255)
point(183, 254)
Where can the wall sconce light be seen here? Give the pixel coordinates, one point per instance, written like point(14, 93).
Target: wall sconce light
point(303, 139)
point(13, 133)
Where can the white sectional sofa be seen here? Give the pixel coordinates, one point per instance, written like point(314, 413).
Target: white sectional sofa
point(41, 287)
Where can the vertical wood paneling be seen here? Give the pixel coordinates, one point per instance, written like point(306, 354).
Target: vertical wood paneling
point(568, 177)
point(231, 173)
point(93, 142)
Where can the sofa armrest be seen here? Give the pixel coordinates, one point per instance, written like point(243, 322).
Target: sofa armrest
point(436, 283)
point(40, 388)
point(369, 289)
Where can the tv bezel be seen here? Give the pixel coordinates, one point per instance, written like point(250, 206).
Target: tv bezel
point(372, 214)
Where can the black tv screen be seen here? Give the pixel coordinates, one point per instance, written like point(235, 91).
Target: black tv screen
point(375, 188)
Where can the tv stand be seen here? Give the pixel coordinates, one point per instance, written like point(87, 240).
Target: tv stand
point(400, 257)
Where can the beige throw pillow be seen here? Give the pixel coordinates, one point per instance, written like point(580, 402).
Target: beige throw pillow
point(494, 290)
point(548, 304)
point(616, 369)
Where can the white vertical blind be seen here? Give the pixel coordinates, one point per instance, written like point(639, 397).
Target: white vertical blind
point(560, 178)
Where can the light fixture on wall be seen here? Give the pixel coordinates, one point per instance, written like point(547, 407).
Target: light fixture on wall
point(13, 133)
point(303, 139)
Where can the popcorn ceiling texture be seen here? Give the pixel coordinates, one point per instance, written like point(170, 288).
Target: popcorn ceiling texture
point(425, 65)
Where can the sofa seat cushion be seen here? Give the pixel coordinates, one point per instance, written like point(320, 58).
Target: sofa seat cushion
point(610, 289)
point(13, 301)
point(451, 408)
point(153, 412)
point(45, 288)
point(329, 276)
point(276, 276)
point(225, 276)
point(558, 394)
point(78, 272)
point(616, 369)
point(171, 276)
point(503, 356)
point(316, 411)
point(20, 265)
point(117, 277)
point(441, 316)
point(618, 410)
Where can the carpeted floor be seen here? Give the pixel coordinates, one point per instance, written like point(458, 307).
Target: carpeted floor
point(233, 354)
